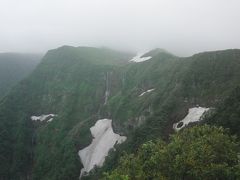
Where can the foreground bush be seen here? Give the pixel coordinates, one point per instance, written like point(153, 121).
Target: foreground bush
point(202, 152)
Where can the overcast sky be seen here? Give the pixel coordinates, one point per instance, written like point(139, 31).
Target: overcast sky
point(183, 27)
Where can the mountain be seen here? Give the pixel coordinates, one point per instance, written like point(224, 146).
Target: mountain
point(14, 67)
point(69, 82)
point(46, 119)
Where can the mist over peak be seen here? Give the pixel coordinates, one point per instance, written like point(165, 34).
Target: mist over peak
point(183, 27)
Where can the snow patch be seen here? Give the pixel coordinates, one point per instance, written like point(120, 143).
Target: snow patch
point(194, 115)
point(104, 139)
point(43, 117)
point(50, 120)
point(150, 90)
point(139, 58)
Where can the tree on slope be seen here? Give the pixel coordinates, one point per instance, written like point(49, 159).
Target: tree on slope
point(200, 152)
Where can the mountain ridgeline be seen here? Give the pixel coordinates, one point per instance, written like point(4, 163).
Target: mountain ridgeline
point(82, 85)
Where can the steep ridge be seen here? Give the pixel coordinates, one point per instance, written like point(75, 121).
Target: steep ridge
point(72, 83)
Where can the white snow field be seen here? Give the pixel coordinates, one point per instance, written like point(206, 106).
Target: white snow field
point(194, 115)
point(139, 58)
point(43, 117)
point(103, 140)
point(150, 90)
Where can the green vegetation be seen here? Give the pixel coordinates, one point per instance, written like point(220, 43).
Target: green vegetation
point(202, 152)
point(227, 114)
point(71, 82)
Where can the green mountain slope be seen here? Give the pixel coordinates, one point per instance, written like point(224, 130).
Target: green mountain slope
point(205, 79)
point(14, 67)
point(69, 82)
point(227, 113)
point(72, 83)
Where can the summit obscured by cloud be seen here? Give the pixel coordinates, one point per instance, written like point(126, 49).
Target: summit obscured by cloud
point(182, 27)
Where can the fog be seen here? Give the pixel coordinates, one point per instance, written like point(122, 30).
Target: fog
point(182, 27)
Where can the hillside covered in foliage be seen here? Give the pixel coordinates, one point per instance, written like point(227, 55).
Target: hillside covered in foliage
point(201, 152)
point(82, 85)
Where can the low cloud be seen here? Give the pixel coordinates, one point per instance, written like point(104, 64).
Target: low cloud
point(182, 27)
